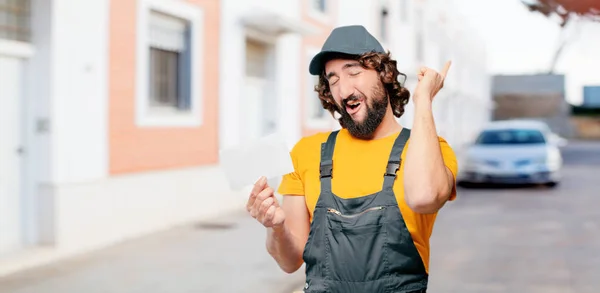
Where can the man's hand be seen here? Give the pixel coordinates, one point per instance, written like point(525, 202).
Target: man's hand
point(263, 206)
point(430, 82)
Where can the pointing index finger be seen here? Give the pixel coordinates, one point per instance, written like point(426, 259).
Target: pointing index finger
point(446, 68)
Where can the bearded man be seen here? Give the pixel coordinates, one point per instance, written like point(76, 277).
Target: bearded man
point(360, 206)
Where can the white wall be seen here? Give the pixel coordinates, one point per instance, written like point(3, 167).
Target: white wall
point(402, 36)
point(289, 86)
point(350, 10)
point(68, 78)
point(231, 73)
point(65, 106)
point(287, 53)
point(79, 90)
point(110, 210)
point(464, 104)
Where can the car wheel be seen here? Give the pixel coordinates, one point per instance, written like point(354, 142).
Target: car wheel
point(465, 184)
point(551, 184)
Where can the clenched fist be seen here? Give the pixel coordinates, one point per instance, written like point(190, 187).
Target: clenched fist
point(430, 81)
point(263, 206)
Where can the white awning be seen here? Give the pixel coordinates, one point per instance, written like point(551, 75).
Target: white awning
point(275, 24)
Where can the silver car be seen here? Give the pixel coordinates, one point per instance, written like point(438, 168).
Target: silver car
point(514, 152)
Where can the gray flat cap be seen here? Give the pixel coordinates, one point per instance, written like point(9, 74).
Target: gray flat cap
point(351, 40)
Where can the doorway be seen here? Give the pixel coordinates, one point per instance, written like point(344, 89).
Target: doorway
point(11, 154)
point(259, 105)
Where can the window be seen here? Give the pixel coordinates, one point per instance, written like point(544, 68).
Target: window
point(318, 10)
point(15, 23)
point(511, 136)
point(320, 5)
point(169, 59)
point(383, 24)
point(169, 82)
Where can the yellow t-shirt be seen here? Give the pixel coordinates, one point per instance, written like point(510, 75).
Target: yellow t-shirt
point(358, 171)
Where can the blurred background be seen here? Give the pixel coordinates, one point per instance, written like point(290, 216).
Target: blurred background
point(113, 113)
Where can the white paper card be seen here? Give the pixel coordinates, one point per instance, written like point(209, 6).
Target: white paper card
point(244, 164)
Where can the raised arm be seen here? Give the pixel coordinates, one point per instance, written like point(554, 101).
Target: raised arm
point(428, 183)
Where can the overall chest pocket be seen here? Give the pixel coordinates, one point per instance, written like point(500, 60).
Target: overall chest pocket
point(356, 244)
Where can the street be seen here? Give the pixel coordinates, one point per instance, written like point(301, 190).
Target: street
point(224, 255)
point(489, 240)
point(523, 239)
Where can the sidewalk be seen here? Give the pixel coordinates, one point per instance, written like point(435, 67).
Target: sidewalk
point(224, 255)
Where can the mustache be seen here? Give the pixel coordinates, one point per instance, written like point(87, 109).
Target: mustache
point(351, 98)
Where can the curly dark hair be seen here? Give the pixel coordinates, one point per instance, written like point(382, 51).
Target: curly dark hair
point(388, 73)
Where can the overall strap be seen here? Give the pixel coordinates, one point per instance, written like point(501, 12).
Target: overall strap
point(326, 167)
point(395, 160)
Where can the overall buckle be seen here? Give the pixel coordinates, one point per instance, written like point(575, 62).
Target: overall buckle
point(392, 168)
point(326, 170)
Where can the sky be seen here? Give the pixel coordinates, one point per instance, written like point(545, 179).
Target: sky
point(522, 42)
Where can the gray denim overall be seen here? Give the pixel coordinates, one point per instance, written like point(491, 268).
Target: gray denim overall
point(361, 244)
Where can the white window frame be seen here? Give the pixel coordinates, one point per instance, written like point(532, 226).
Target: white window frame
point(311, 100)
point(16, 49)
point(145, 115)
point(321, 16)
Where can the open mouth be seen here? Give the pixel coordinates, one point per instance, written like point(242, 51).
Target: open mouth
point(353, 106)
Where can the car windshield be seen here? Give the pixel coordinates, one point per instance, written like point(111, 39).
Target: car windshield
point(510, 136)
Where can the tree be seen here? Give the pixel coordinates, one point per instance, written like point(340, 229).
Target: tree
point(567, 11)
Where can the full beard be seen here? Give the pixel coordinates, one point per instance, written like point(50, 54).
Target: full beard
point(365, 129)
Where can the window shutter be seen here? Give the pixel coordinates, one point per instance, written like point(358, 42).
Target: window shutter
point(167, 32)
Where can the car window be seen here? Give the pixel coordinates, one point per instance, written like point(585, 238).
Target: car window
point(511, 136)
